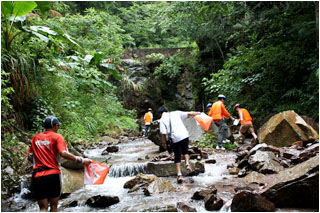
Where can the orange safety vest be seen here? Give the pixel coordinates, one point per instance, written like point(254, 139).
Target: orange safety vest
point(218, 111)
point(246, 117)
point(147, 117)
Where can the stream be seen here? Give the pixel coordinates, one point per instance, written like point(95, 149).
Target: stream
point(129, 161)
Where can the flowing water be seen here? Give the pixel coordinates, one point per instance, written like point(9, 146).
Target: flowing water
point(129, 161)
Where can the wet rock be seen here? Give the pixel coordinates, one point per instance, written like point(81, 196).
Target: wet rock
point(102, 201)
point(212, 203)
point(306, 154)
point(168, 208)
point(246, 201)
point(265, 147)
point(105, 152)
point(160, 185)
point(285, 128)
point(185, 207)
point(140, 178)
point(210, 161)
point(112, 149)
point(200, 195)
point(255, 177)
point(73, 203)
point(291, 153)
point(168, 168)
point(296, 187)
point(243, 172)
point(245, 188)
point(234, 171)
point(265, 162)
point(64, 196)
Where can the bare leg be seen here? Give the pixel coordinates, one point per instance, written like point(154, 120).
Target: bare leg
point(43, 205)
point(178, 166)
point(186, 158)
point(54, 204)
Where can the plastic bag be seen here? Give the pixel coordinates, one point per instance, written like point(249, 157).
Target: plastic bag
point(236, 122)
point(95, 173)
point(204, 120)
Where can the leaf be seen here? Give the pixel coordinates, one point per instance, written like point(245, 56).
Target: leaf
point(6, 8)
point(97, 58)
point(111, 68)
point(43, 5)
point(67, 38)
point(43, 29)
point(21, 8)
point(39, 35)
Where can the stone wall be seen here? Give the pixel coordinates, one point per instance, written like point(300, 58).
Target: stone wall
point(142, 53)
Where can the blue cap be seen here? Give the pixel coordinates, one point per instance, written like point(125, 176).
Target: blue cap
point(209, 105)
point(50, 121)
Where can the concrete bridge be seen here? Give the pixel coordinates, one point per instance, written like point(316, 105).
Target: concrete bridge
point(142, 53)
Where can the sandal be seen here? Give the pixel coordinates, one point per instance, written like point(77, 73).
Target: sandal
point(179, 178)
point(188, 167)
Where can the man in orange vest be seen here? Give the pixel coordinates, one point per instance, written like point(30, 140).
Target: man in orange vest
point(219, 112)
point(147, 121)
point(246, 123)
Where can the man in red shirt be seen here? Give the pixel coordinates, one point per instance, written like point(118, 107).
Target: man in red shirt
point(45, 151)
point(219, 112)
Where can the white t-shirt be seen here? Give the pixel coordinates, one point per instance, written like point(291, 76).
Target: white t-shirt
point(179, 131)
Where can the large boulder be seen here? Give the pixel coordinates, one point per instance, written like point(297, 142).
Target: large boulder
point(296, 187)
point(246, 201)
point(285, 128)
point(71, 180)
point(168, 168)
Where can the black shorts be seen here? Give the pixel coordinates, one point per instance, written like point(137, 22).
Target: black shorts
point(48, 186)
point(180, 148)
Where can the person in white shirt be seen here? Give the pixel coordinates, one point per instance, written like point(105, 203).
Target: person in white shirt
point(179, 135)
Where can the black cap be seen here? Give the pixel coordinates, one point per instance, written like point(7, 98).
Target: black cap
point(162, 109)
point(50, 121)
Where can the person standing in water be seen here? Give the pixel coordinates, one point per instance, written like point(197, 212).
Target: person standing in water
point(45, 151)
point(171, 124)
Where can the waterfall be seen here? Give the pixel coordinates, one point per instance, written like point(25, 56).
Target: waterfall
point(127, 169)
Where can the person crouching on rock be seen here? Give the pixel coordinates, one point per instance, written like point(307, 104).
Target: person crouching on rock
point(171, 124)
point(45, 151)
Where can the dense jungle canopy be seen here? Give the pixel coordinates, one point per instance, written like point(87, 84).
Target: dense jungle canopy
point(64, 59)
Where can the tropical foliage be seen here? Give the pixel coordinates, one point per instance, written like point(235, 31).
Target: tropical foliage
point(63, 59)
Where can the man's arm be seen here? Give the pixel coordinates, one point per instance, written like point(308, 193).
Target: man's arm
point(164, 140)
point(192, 114)
point(69, 156)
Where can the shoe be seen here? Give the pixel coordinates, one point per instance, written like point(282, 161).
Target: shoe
point(188, 167)
point(217, 147)
point(179, 178)
point(222, 148)
point(226, 141)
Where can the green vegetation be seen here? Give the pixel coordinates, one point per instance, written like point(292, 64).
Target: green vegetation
point(208, 140)
point(63, 59)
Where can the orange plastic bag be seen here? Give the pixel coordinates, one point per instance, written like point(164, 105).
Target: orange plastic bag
point(95, 173)
point(204, 120)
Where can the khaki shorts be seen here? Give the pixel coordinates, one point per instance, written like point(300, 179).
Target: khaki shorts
point(244, 129)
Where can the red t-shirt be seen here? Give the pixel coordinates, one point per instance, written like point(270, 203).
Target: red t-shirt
point(46, 147)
